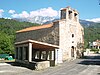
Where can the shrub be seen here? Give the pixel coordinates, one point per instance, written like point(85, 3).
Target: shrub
point(95, 50)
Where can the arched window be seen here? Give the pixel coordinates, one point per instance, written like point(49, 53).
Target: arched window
point(75, 16)
point(72, 35)
point(63, 14)
point(70, 15)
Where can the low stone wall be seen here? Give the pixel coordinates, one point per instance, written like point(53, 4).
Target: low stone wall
point(34, 65)
point(42, 65)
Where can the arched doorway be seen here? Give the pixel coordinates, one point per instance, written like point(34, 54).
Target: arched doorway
point(72, 51)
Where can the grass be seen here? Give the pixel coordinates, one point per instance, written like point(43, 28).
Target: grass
point(3, 61)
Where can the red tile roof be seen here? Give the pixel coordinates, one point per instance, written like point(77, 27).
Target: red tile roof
point(36, 28)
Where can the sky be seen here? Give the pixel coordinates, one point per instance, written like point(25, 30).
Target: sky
point(88, 9)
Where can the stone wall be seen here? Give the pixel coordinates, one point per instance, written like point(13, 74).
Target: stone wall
point(42, 65)
point(47, 35)
point(70, 32)
point(64, 39)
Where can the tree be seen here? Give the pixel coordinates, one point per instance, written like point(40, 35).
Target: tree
point(8, 28)
point(5, 44)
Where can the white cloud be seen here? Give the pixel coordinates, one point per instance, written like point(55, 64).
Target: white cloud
point(11, 11)
point(1, 12)
point(7, 17)
point(41, 12)
point(24, 14)
point(94, 20)
point(15, 15)
point(44, 12)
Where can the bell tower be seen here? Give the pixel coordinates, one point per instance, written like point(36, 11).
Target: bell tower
point(69, 14)
point(69, 31)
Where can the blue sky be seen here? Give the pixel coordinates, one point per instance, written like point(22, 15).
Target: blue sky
point(88, 9)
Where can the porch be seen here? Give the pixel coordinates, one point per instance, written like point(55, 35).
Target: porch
point(38, 53)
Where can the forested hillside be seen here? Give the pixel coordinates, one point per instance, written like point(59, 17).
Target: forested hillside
point(91, 33)
point(8, 27)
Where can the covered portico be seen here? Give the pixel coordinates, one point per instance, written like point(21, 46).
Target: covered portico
point(31, 50)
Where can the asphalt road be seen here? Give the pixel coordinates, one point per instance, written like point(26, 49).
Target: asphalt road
point(88, 66)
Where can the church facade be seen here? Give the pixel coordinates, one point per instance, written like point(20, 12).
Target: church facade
point(55, 42)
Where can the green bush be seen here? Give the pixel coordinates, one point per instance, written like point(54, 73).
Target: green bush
point(95, 50)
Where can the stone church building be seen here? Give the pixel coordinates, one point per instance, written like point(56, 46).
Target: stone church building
point(55, 42)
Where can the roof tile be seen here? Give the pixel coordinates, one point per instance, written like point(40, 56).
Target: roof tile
point(36, 28)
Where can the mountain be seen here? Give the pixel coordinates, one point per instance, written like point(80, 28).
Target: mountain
point(85, 23)
point(47, 19)
point(50, 21)
point(36, 19)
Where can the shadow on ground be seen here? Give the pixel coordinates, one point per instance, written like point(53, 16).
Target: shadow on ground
point(90, 60)
point(29, 65)
point(98, 74)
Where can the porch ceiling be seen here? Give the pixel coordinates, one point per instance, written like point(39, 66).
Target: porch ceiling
point(38, 45)
point(42, 46)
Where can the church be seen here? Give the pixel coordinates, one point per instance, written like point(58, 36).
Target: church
point(56, 42)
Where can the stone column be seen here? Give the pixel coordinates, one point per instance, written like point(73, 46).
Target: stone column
point(47, 55)
point(23, 53)
point(72, 16)
point(18, 53)
point(40, 53)
point(52, 54)
point(30, 52)
point(98, 47)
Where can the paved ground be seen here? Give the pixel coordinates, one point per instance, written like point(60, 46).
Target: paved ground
point(89, 66)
